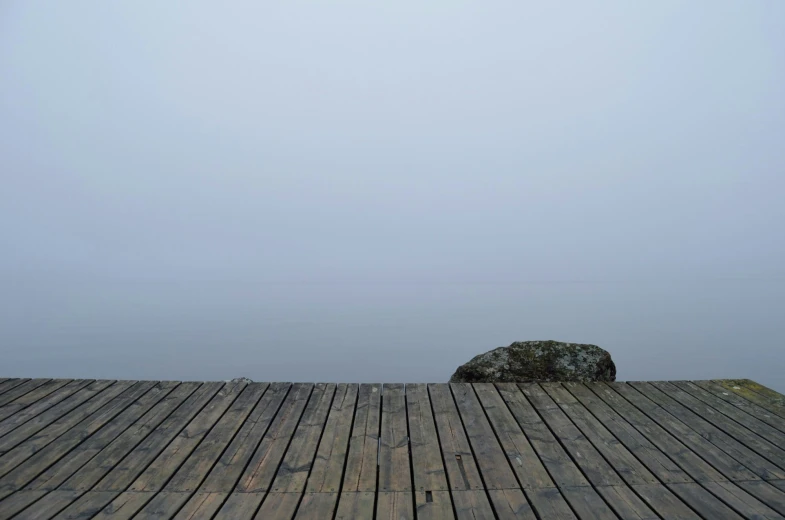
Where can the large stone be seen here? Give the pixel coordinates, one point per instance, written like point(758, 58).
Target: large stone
point(538, 361)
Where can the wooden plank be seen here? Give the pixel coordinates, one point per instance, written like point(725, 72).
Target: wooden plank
point(766, 493)
point(48, 505)
point(125, 505)
point(665, 503)
point(32, 397)
point(491, 459)
point(626, 504)
point(164, 504)
point(427, 465)
point(550, 504)
point(226, 472)
point(158, 473)
point(738, 387)
point(706, 504)
point(587, 504)
point(741, 403)
point(462, 470)
point(120, 476)
point(614, 452)
point(56, 474)
point(87, 506)
point(585, 455)
point(755, 462)
point(739, 415)
point(361, 462)
point(21, 390)
point(741, 501)
point(560, 466)
point(316, 506)
point(240, 506)
point(779, 484)
point(394, 505)
point(196, 467)
point(110, 456)
point(27, 467)
point(61, 416)
point(394, 470)
point(472, 504)
point(201, 505)
point(278, 506)
point(259, 474)
point(354, 505)
point(295, 467)
point(13, 504)
point(730, 468)
point(657, 462)
point(692, 464)
point(433, 505)
point(733, 421)
point(8, 384)
point(327, 470)
point(520, 454)
point(29, 412)
point(765, 391)
point(511, 504)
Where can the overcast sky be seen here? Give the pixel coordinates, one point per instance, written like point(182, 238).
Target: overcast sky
point(212, 179)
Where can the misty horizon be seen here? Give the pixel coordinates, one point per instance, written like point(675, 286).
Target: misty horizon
point(357, 192)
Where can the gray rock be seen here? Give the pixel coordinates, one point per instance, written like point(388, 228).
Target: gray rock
point(538, 361)
point(241, 380)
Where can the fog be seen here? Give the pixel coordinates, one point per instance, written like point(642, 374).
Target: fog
point(359, 191)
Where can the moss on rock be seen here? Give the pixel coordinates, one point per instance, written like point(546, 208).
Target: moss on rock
point(538, 361)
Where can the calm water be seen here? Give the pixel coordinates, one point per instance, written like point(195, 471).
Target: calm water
point(383, 331)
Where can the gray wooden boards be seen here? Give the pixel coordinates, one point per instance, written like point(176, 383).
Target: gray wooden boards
point(683, 450)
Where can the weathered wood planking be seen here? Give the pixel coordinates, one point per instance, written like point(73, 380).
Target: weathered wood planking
point(280, 451)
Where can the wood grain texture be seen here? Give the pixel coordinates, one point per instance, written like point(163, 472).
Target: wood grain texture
point(562, 469)
point(682, 450)
point(120, 477)
point(327, 470)
point(751, 459)
point(511, 504)
point(361, 462)
point(27, 467)
point(549, 503)
point(157, 474)
point(355, 504)
point(760, 413)
point(597, 470)
point(261, 469)
point(296, 465)
point(196, 467)
point(701, 459)
point(428, 467)
point(32, 397)
point(394, 471)
point(433, 505)
point(240, 506)
point(520, 455)
point(28, 413)
point(462, 470)
point(20, 393)
point(394, 505)
point(660, 464)
point(227, 470)
point(316, 506)
point(491, 459)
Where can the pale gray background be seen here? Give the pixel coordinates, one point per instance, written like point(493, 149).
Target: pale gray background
point(333, 190)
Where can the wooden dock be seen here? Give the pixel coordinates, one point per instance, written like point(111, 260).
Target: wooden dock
point(158, 449)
